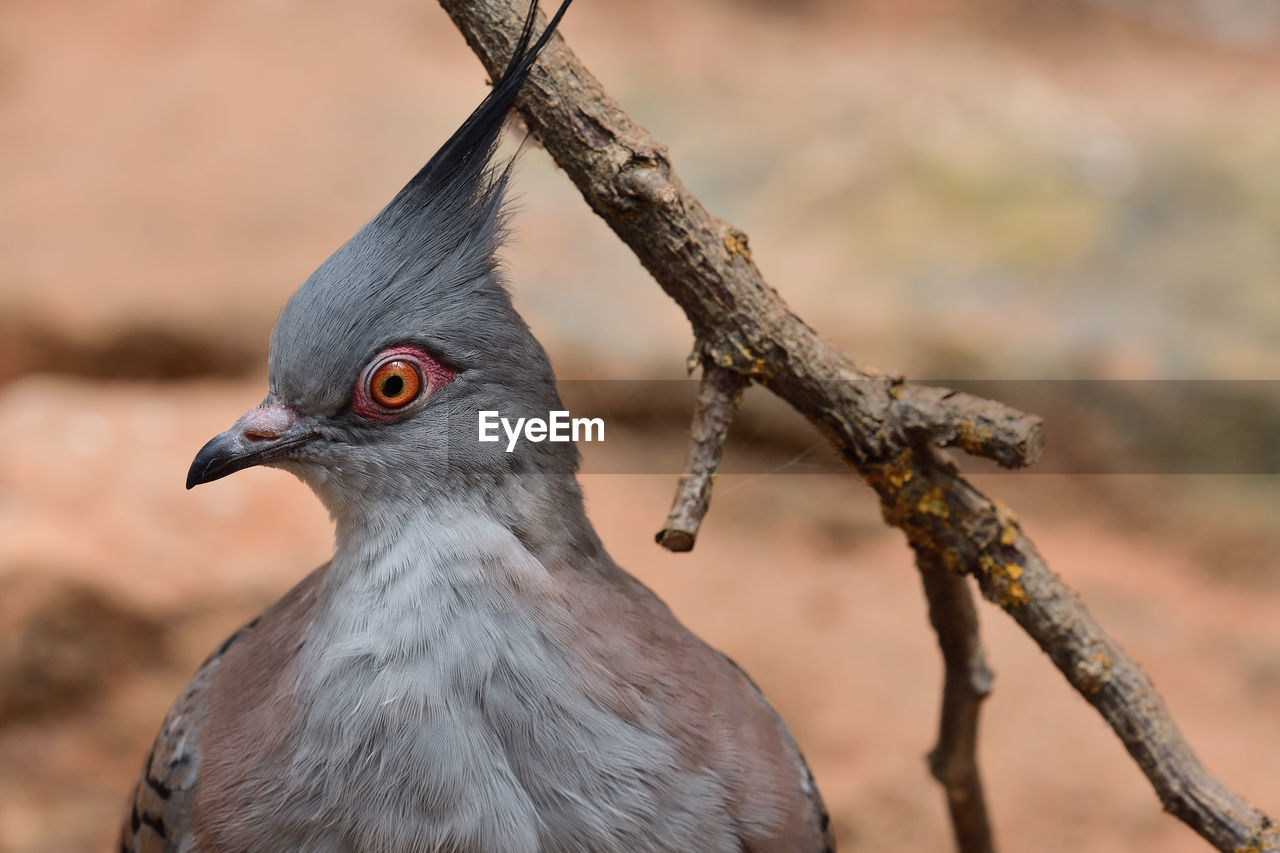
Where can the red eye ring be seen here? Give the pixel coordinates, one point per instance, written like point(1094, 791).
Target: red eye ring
point(395, 383)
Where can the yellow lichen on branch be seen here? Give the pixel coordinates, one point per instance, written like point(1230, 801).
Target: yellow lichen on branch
point(735, 243)
point(1006, 590)
point(973, 438)
point(934, 503)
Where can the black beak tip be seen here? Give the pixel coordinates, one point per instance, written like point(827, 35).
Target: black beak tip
point(211, 463)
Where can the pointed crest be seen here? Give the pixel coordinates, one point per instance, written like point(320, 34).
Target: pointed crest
point(462, 160)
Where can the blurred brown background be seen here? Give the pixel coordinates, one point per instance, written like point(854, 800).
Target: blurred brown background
point(1014, 189)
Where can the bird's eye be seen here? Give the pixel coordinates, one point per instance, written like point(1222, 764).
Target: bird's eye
point(397, 381)
point(394, 384)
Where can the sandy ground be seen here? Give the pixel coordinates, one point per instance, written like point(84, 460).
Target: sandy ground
point(957, 190)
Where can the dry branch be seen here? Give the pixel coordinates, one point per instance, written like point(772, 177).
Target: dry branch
point(888, 430)
point(719, 394)
point(966, 682)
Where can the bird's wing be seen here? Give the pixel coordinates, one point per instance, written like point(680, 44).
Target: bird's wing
point(159, 818)
point(180, 773)
point(815, 830)
point(715, 713)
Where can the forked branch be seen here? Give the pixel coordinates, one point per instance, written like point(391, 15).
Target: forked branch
point(888, 430)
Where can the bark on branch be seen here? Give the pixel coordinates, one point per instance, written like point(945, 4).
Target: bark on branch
point(719, 394)
point(966, 682)
point(888, 430)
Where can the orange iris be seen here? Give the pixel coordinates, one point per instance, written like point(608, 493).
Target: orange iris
point(394, 384)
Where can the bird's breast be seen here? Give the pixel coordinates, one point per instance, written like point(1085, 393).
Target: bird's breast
point(438, 709)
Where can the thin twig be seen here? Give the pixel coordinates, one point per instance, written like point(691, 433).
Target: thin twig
point(706, 266)
point(719, 393)
point(966, 682)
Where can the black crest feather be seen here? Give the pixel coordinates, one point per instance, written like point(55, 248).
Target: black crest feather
point(463, 159)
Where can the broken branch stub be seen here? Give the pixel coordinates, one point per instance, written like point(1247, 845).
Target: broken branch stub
point(719, 393)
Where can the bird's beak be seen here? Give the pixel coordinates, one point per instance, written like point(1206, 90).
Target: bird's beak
point(261, 435)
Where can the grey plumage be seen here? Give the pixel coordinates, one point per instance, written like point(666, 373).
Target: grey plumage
point(471, 671)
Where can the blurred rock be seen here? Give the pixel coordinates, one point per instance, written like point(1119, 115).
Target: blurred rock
point(62, 642)
point(163, 351)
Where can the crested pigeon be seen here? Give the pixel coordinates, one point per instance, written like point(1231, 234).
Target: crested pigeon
point(470, 672)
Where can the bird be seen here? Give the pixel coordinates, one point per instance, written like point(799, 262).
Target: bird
point(470, 672)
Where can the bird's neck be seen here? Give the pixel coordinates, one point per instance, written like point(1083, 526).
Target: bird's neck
point(519, 519)
point(405, 547)
point(413, 580)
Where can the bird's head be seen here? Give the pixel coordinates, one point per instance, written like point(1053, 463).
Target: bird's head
point(382, 360)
